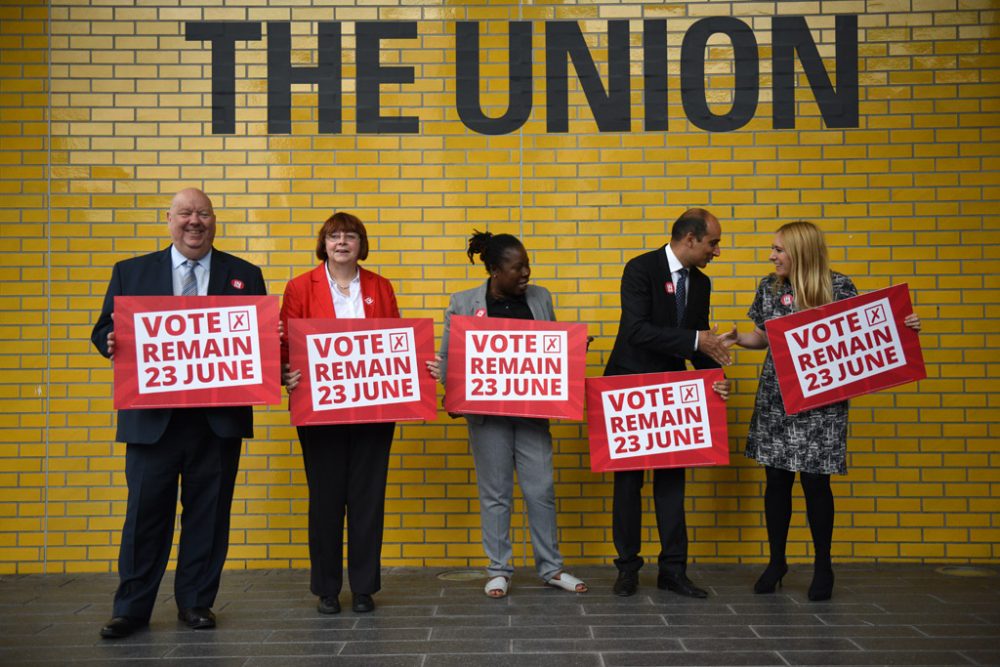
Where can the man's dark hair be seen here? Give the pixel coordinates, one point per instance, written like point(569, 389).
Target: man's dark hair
point(693, 220)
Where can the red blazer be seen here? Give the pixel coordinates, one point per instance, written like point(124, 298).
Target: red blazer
point(308, 296)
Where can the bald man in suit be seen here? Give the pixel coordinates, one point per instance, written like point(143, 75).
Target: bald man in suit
point(198, 446)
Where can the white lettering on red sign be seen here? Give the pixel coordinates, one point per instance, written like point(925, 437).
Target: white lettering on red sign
point(516, 365)
point(354, 369)
point(657, 419)
point(203, 348)
point(846, 347)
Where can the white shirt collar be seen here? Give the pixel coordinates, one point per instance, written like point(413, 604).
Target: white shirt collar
point(177, 259)
point(672, 261)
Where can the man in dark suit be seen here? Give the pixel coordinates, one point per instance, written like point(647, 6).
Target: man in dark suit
point(665, 303)
point(199, 445)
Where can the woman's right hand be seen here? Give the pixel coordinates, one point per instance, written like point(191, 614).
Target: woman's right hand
point(730, 338)
point(290, 378)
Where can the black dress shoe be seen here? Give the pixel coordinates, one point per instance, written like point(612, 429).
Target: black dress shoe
point(626, 584)
point(679, 584)
point(328, 605)
point(197, 618)
point(122, 626)
point(363, 603)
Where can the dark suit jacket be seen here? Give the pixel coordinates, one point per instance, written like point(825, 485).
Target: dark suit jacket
point(151, 275)
point(650, 340)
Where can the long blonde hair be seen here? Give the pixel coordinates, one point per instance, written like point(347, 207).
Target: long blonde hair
point(809, 264)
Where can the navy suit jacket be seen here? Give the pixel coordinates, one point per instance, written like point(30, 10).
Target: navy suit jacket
point(650, 340)
point(152, 275)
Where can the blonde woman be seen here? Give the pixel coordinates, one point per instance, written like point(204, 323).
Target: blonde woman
point(812, 443)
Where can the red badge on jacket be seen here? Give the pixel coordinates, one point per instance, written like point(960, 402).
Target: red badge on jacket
point(669, 287)
point(236, 283)
point(480, 312)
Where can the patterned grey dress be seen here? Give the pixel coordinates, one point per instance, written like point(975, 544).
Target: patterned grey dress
point(812, 441)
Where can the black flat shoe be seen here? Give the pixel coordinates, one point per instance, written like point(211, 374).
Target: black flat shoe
point(328, 605)
point(680, 584)
point(821, 587)
point(626, 584)
point(120, 627)
point(771, 577)
point(363, 603)
point(197, 618)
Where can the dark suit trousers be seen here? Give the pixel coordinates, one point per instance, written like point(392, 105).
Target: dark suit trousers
point(668, 499)
point(346, 469)
point(206, 465)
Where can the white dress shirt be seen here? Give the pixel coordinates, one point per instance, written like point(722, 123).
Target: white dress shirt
point(201, 270)
point(350, 306)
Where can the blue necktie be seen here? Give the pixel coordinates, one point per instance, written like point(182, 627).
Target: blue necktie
point(190, 285)
point(680, 294)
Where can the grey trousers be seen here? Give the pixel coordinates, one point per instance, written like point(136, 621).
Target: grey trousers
point(501, 445)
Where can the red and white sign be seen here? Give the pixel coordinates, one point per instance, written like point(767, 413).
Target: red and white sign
point(196, 351)
point(515, 368)
point(845, 349)
point(656, 420)
point(361, 370)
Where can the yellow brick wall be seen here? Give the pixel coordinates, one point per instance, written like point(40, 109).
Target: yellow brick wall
point(104, 113)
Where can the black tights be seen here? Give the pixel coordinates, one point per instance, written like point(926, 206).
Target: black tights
point(778, 512)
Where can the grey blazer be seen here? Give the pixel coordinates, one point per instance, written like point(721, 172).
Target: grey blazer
point(470, 301)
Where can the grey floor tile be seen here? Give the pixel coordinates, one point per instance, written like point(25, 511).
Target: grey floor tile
point(865, 658)
point(685, 658)
point(471, 645)
point(519, 660)
point(894, 615)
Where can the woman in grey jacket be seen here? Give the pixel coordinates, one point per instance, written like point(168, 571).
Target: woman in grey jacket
point(501, 445)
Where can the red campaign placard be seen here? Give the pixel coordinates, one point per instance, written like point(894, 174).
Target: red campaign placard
point(656, 420)
point(361, 371)
point(845, 349)
point(515, 368)
point(196, 351)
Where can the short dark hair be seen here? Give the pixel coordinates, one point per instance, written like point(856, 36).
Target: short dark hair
point(341, 222)
point(693, 220)
point(490, 247)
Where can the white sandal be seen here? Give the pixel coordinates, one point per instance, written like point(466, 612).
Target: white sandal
point(567, 582)
point(497, 584)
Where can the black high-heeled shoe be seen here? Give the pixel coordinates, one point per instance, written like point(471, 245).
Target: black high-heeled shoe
point(821, 587)
point(771, 577)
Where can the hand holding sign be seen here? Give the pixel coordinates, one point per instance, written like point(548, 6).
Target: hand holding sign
point(657, 420)
point(195, 351)
point(359, 370)
point(847, 348)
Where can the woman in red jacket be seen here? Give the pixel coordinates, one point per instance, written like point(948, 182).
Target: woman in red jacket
point(346, 465)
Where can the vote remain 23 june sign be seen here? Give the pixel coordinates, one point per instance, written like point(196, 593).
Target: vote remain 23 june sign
point(515, 368)
point(656, 420)
point(365, 370)
point(196, 351)
point(845, 349)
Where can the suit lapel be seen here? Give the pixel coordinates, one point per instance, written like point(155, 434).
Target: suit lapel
point(164, 274)
point(322, 298)
point(479, 301)
point(669, 299)
point(218, 273)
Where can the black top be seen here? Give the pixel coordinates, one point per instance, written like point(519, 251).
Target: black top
point(514, 308)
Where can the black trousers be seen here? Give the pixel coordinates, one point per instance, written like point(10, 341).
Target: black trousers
point(668, 499)
point(206, 466)
point(346, 469)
